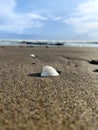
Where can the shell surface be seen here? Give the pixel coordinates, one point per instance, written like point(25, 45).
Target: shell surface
point(48, 71)
point(32, 55)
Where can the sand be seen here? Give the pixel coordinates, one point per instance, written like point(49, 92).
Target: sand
point(65, 102)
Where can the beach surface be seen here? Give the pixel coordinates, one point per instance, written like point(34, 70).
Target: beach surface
point(65, 102)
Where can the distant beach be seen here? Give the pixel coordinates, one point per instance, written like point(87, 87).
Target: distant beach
point(65, 102)
point(49, 43)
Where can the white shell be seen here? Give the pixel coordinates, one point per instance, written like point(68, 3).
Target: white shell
point(32, 55)
point(48, 71)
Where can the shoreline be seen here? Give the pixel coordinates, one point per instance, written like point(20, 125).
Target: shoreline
point(49, 43)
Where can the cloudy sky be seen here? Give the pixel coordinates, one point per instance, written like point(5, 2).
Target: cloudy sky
point(53, 19)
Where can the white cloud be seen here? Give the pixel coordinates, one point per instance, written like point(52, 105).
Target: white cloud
point(6, 7)
point(84, 19)
point(50, 15)
point(12, 21)
point(55, 18)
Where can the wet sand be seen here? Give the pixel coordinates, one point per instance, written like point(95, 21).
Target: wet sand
point(66, 102)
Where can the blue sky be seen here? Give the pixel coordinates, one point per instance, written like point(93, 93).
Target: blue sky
point(53, 19)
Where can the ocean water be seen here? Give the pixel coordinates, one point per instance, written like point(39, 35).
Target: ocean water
point(48, 43)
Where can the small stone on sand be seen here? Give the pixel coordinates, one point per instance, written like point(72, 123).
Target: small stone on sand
point(32, 55)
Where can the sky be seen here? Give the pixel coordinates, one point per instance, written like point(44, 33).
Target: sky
point(53, 19)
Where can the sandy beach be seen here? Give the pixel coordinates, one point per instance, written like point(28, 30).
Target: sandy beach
point(65, 102)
